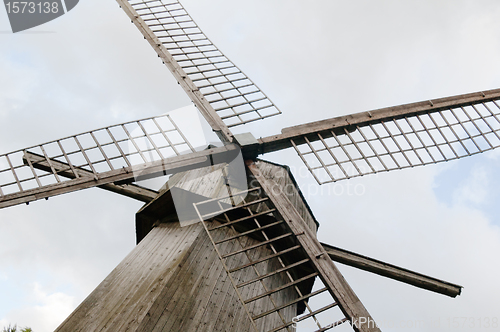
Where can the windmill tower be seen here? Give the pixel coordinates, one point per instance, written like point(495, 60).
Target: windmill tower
point(334, 130)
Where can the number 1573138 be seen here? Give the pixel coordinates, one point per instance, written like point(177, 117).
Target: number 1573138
point(25, 7)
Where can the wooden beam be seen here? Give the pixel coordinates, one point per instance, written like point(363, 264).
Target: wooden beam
point(130, 190)
point(391, 271)
point(126, 174)
point(337, 124)
point(348, 302)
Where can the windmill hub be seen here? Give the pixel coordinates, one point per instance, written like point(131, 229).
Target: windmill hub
point(250, 147)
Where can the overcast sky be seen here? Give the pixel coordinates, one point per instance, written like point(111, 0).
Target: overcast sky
point(317, 59)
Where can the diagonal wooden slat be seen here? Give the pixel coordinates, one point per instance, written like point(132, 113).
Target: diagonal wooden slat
point(130, 190)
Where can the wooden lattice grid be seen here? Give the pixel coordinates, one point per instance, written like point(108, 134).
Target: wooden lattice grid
point(400, 143)
point(235, 98)
point(92, 153)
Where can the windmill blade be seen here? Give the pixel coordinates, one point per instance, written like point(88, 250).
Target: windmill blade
point(222, 92)
point(109, 157)
point(394, 138)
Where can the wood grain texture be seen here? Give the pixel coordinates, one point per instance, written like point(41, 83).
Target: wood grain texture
point(173, 280)
point(285, 181)
point(63, 169)
point(391, 271)
point(340, 290)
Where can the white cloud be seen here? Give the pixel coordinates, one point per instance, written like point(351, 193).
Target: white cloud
point(475, 187)
point(403, 223)
point(45, 313)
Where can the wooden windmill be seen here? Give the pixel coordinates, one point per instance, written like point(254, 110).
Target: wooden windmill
point(252, 263)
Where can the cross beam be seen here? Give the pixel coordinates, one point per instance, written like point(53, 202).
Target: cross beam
point(130, 190)
point(391, 271)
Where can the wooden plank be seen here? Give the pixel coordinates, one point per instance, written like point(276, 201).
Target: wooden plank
point(283, 178)
point(220, 295)
point(187, 313)
point(179, 294)
point(172, 285)
point(78, 316)
point(137, 292)
point(130, 190)
point(125, 174)
point(262, 286)
point(195, 297)
point(340, 290)
point(391, 271)
point(282, 141)
point(132, 286)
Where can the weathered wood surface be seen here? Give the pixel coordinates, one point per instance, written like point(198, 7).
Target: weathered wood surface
point(392, 271)
point(284, 179)
point(348, 302)
point(134, 283)
point(174, 281)
point(63, 169)
point(209, 182)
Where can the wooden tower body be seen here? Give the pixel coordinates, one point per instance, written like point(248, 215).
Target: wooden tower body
point(174, 280)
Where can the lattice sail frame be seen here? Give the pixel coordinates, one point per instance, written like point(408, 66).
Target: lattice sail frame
point(249, 267)
point(401, 142)
point(92, 153)
point(196, 61)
